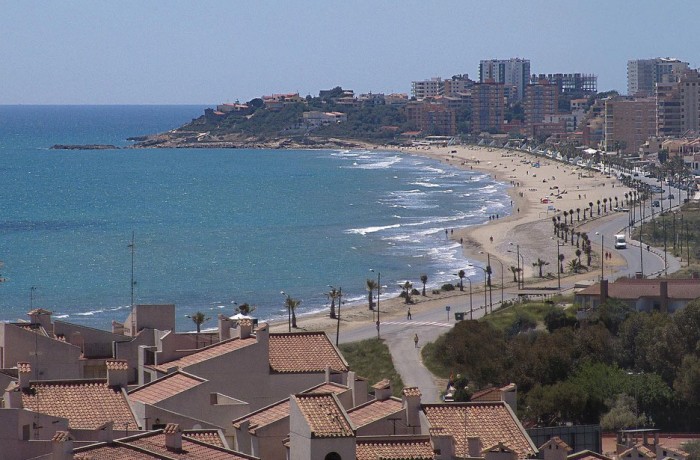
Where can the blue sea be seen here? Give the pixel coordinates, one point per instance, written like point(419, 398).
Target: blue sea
point(213, 226)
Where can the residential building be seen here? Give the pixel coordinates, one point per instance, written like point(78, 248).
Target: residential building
point(426, 88)
point(572, 84)
point(396, 99)
point(689, 83)
point(488, 107)
point(668, 107)
point(278, 101)
point(314, 119)
point(514, 72)
point(644, 74)
point(667, 295)
point(629, 123)
point(541, 100)
point(458, 85)
point(432, 118)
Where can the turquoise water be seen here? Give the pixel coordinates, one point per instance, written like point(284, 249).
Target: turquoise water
point(213, 226)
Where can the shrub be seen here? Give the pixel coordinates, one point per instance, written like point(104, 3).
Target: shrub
point(448, 287)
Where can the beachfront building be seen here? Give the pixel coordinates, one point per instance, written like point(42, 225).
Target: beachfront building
point(644, 74)
point(629, 122)
point(488, 107)
point(541, 100)
point(432, 118)
point(315, 119)
point(513, 73)
point(668, 295)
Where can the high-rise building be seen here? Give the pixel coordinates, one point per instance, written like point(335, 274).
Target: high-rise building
point(513, 72)
point(678, 104)
point(690, 101)
point(432, 118)
point(488, 107)
point(428, 88)
point(541, 99)
point(629, 123)
point(644, 74)
point(573, 84)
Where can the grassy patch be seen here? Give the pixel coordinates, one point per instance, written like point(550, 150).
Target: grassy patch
point(503, 318)
point(371, 359)
point(434, 365)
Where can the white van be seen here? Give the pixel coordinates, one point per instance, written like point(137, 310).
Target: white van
point(620, 242)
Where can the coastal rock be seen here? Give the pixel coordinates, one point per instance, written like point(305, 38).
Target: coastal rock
point(83, 147)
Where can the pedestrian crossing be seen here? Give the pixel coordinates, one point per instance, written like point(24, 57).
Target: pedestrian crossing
point(417, 323)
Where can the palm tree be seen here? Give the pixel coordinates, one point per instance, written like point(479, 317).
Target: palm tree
point(292, 305)
point(578, 254)
point(424, 279)
point(488, 275)
point(598, 201)
point(566, 214)
point(605, 205)
point(578, 215)
point(461, 275)
point(371, 286)
point(515, 271)
point(332, 295)
point(556, 230)
point(578, 238)
point(539, 264)
point(198, 319)
point(571, 214)
point(590, 205)
point(245, 309)
point(584, 213)
point(407, 289)
point(561, 263)
point(626, 199)
point(616, 202)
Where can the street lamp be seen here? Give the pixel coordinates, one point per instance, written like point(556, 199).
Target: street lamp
point(289, 311)
point(602, 257)
point(558, 266)
point(519, 258)
point(340, 301)
point(485, 274)
point(471, 305)
point(502, 280)
point(379, 288)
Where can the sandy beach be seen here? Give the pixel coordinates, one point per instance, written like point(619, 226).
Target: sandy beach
point(540, 188)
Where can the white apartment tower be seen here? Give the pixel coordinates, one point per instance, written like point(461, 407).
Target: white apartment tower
point(428, 88)
point(644, 74)
point(514, 72)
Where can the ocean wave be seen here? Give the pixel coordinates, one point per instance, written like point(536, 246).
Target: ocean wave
point(89, 313)
point(383, 164)
point(426, 184)
point(366, 230)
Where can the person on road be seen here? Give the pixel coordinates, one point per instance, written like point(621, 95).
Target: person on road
point(415, 340)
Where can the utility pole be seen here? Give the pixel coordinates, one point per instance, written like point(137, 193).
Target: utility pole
point(132, 246)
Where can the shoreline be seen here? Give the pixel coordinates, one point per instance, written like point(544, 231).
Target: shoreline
point(528, 229)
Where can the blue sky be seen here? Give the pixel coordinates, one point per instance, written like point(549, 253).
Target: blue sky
point(204, 52)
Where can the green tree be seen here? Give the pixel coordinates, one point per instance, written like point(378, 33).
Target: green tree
point(332, 295)
point(407, 286)
point(371, 285)
point(198, 319)
point(623, 413)
point(291, 304)
point(461, 275)
point(539, 264)
point(424, 280)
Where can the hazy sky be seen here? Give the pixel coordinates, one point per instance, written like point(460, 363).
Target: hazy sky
point(204, 52)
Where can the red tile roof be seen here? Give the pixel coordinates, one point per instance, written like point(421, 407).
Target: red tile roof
point(212, 437)
point(557, 441)
point(587, 455)
point(203, 354)
point(86, 404)
point(374, 410)
point(165, 387)
point(411, 391)
point(395, 447)
point(328, 387)
point(304, 352)
point(492, 422)
point(265, 416)
point(325, 415)
point(151, 445)
point(117, 365)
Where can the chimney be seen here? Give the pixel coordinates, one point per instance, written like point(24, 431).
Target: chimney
point(173, 437)
point(24, 373)
point(474, 445)
point(42, 317)
point(62, 446)
point(13, 396)
point(555, 449)
point(603, 291)
point(663, 293)
point(245, 328)
point(443, 443)
point(382, 390)
point(224, 328)
point(411, 403)
point(117, 373)
point(105, 432)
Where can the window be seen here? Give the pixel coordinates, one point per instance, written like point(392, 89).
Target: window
point(333, 456)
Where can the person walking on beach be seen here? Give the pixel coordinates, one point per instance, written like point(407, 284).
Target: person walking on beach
point(415, 340)
point(408, 315)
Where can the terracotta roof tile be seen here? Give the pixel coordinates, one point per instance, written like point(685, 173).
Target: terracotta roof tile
point(165, 387)
point(87, 404)
point(324, 415)
point(24, 368)
point(61, 436)
point(212, 437)
point(374, 410)
point(328, 387)
point(304, 352)
point(151, 445)
point(203, 354)
point(396, 447)
point(411, 391)
point(587, 455)
point(492, 422)
point(265, 416)
point(117, 365)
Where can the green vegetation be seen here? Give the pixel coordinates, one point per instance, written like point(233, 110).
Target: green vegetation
point(618, 367)
point(371, 359)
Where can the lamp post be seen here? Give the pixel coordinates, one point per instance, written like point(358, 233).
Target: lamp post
point(379, 289)
point(289, 311)
point(518, 259)
point(31, 297)
point(502, 280)
point(602, 256)
point(485, 298)
point(340, 301)
point(471, 305)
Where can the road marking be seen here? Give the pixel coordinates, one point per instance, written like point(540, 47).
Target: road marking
point(417, 323)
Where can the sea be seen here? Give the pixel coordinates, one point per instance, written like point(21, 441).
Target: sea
point(213, 228)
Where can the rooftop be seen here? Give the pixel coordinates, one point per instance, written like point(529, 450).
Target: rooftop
point(324, 415)
point(209, 352)
point(87, 404)
point(632, 288)
point(374, 410)
point(395, 447)
point(265, 416)
point(492, 422)
point(165, 387)
point(304, 352)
